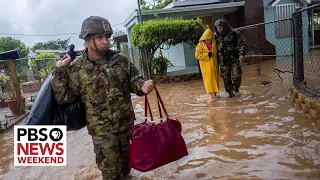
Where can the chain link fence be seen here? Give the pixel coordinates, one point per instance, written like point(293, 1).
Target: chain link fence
point(269, 56)
point(10, 107)
point(307, 50)
point(30, 74)
point(181, 57)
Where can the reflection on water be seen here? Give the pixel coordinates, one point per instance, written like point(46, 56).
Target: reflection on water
point(256, 135)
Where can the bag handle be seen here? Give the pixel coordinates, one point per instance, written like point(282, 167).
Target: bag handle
point(160, 111)
point(160, 103)
point(160, 107)
point(146, 107)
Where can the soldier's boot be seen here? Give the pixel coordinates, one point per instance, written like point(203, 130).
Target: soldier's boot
point(236, 89)
point(120, 177)
point(231, 94)
point(126, 171)
point(106, 176)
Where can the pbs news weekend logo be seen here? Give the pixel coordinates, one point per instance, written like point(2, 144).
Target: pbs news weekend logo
point(40, 145)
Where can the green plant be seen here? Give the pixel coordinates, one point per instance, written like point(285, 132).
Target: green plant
point(23, 74)
point(154, 34)
point(9, 43)
point(7, 95)
point(6, 87)
point(253, 52)
point(4, 79)
point(42, 73)
point(57, 44)
point(160, 63)
point(157, 4)
point(139, 61)
point(4, 82)
point(48, 60)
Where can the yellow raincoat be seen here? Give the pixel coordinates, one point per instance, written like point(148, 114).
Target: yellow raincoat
point(209, 66)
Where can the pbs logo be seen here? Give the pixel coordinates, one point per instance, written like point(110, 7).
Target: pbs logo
point(40, 145)
point(56, 134)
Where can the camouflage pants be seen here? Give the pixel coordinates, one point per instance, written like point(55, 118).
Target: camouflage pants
point(231, 74)
point(112, 154)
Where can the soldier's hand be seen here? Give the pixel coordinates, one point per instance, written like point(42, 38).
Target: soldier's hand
point(241, 58)
point(66, 60)
point(147, 87)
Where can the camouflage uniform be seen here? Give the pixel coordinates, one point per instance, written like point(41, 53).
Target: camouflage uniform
point(231, 45)
point(105, 88)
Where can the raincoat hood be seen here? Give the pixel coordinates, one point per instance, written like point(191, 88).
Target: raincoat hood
point(224, 23)
point(207, 35)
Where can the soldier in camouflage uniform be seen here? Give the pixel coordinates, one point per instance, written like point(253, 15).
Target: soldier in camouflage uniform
point(231, 49)
point(104, 80)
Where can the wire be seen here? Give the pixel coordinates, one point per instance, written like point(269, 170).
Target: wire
point(9, 34)
point(118, 24)
point(63, 34)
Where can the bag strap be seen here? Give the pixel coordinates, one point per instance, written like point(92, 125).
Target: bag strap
point(159, 107)
point(160, 103)
point(146, 107)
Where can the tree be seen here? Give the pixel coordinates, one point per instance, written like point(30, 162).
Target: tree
point(157, 4)
point(45, 63)
point(41, 56)
point(9, 43)
point(53, 45)
point(117, 33)
point(152, 35)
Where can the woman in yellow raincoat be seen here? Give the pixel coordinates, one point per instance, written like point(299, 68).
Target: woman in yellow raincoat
point(206, 53)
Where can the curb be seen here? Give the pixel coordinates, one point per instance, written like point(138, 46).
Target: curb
point(15, 121)
point(306, 104)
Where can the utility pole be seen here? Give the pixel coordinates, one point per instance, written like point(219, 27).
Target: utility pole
point(140, 17)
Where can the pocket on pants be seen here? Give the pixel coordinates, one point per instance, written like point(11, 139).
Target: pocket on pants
point(101, 160)
point(106, 149)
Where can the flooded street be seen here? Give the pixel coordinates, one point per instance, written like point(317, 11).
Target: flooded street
point(256, 135)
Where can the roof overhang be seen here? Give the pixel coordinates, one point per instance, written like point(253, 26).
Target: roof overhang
point(275, 2)
point(182, 9)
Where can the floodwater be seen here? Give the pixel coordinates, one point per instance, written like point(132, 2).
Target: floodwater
point(256, 135)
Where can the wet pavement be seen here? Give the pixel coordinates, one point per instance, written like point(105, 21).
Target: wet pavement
point(256, 135)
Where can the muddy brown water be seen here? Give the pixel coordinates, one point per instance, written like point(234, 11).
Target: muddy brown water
point(256, 135)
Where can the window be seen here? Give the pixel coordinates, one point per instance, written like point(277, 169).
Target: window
point(283, 27)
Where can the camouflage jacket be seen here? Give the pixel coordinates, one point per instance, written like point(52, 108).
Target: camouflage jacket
point(104, 89)
point(230, 43)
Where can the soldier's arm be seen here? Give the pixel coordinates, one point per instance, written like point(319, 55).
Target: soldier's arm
point(241, 44)
point(136, 81)
point(65, 85)
point(200, 54)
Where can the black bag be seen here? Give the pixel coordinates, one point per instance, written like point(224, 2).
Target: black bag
point(45, 110)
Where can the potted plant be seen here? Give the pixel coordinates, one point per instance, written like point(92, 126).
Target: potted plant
point(160, 64)
point(3, 98)
point(13, 104)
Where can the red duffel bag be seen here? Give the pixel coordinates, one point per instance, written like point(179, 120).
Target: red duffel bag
point(154, 145)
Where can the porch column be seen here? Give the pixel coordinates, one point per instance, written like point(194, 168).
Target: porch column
point(312, 27)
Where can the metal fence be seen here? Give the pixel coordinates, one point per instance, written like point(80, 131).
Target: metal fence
point(269, 53)
point(30, 75)
point(269, 58)
point(307, 51)
point(182, 57)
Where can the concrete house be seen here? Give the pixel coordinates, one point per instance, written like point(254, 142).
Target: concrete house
point(270, 39)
